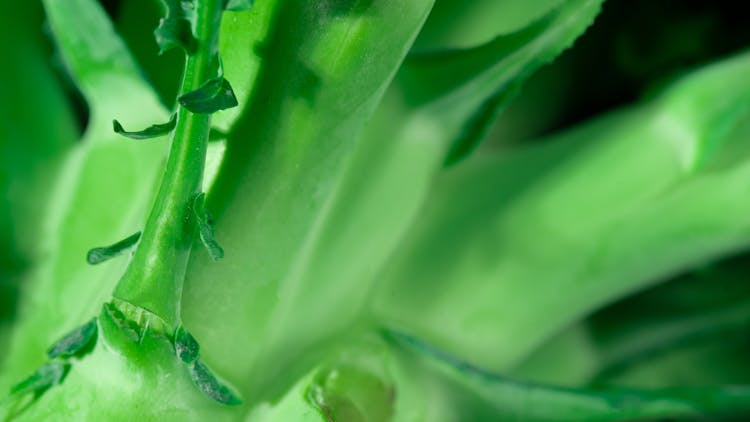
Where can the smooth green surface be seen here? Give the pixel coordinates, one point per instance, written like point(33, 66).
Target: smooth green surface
point(275, 196)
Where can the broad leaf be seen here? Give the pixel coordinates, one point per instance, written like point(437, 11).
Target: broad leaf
point(276, 200)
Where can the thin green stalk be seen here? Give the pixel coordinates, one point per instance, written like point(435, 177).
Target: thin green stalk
point(153, 280)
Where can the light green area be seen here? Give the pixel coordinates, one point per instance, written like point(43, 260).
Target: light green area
point(339, 219)
point(100, 194)
point(550, 233)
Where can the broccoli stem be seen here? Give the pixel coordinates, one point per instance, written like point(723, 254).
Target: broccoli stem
point(154, 278)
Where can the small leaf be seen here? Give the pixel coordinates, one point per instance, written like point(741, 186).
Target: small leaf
point(214, 95)
point(205, 228)
point(175, 29)
point(238, 5)
point(76, 343)
point(153, 131)
point(185, 345)
point(101, 254)
point(207, 382)
point(45, 377)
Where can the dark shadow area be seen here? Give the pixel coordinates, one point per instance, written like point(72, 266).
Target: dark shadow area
point(78, 105)
point(707, 306)
point(633, 48)
point(11, 268)
point(135, 22)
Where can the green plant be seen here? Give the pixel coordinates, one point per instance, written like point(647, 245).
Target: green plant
point(312, 238)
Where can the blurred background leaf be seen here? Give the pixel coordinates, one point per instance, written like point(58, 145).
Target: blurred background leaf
point(511, 248)
point(100, 192)
point(33, 140)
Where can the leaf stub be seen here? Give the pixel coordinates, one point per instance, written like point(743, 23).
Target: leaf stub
point(185, 345)
point(214, 95)
point(205, 228)
point(43, 378)
point(207, 382)
point(153, 131)
point(104, 253)
point(76, 343)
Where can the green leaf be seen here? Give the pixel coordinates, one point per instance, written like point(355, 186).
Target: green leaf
point(456, 24)
point(238, 5)
point(185, 345)
point(175, 29)
point(207, 382)
point(76, 343)
point(473, 274)
point(104, 253)
point(205, 227)
point(214, 95)
point(463, 90)
point(45, 377)
point(153, 131)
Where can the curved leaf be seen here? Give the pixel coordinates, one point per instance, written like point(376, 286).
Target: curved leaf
point(463, 90)
point(455, 24)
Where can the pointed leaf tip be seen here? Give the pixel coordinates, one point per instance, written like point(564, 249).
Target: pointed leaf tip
point(207, 382)
point(214, 95)
point(104, 253)
point(205, 227)
point(45, 377)
point(153, 131)
point(76, 343)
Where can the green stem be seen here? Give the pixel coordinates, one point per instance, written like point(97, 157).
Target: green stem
point(153, 280)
